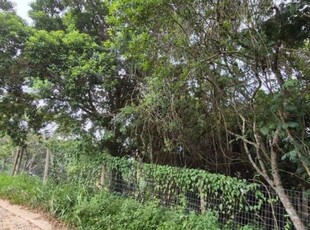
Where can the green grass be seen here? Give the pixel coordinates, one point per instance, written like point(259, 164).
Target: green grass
point(88, 209)
point(19, 190)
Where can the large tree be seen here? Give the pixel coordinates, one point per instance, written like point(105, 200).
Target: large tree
point(84, 83)
point(19, 112)
point(18, 109)
point(209, 84)
point(221, 83)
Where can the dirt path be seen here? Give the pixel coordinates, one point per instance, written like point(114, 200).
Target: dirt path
point(14, 217)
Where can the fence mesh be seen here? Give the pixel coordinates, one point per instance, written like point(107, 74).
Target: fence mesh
point(259, 208)
point(260, 212)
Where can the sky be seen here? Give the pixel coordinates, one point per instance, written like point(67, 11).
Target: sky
point(22, 7)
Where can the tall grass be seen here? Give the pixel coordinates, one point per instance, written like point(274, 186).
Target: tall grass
point(86, 208)
point(19, 190)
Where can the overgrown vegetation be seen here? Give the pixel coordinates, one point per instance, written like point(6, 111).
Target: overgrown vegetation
point(216, 85)
point(87, 208)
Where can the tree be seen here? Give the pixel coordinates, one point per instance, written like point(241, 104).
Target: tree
point(19, 113)
point(7, 6)
point(46, 14)
point(176, 117)
point(247, 81)
point(210, 84)
point(88, 17)
point(80, 84)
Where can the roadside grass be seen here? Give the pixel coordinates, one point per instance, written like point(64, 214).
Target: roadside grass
point(89, 209)
point(19, 190)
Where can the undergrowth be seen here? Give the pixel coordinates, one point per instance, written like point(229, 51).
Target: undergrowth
point(89, 209)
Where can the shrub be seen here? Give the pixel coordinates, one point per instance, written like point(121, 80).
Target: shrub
point(107, 211)
point(84, 208)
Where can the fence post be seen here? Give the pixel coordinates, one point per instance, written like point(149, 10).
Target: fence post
point(202, 201)
point(103, 176)
point(17, 161)
point(138, 177)
point(305, 205)
point(46, 168)
point(3, 164)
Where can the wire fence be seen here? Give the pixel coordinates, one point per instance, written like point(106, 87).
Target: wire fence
point(259, 212)
point(260, 208)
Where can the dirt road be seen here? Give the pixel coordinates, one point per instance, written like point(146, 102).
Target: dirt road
point(14, 217)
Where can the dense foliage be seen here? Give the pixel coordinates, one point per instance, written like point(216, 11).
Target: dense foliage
point(216, 85)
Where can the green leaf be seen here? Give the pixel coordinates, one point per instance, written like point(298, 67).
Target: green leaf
point(264, 130)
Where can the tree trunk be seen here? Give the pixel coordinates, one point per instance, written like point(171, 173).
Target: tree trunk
point(47, 163)
point(275, 181)
point(291, 211)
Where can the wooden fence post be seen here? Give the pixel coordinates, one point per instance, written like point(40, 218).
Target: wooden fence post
point(47, 163)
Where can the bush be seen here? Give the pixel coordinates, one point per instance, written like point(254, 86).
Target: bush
point(107, 211)
point(84, 208)
point(179, 220)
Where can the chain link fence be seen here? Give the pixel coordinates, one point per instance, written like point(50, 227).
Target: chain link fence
point(259, 208)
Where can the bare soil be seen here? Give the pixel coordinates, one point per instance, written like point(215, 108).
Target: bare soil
point(15, 217)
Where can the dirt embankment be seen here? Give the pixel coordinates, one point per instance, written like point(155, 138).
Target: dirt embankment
point(14, 217)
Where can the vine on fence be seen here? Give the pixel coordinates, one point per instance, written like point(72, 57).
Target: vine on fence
point(174, 182)
point(234, 200)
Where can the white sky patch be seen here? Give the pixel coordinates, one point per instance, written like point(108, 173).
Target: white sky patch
point(49, 130)
point(22, 7)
